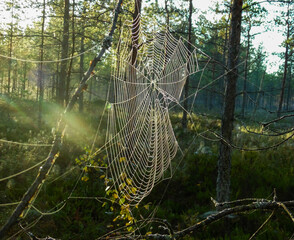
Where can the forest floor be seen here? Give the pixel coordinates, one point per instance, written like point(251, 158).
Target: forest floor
point(182, 200)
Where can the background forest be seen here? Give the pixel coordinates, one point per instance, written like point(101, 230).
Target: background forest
point(236, 141)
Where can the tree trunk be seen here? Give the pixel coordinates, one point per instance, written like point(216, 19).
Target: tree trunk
point(224, 160)
point(72, 54)
point(167, 12)
point(244, 100)
point(285, 65)
point(57, 76)
point(28, 88)
point(40, 72)
point(224, 60)
point(90, 90)
point(2, 83)
point(186, 86)
point(10, 54)
point(24, 80)
point(132, 68)
point(289, 93)
point(53, 86)
point(258, 102)
point(64, 53)
point(81, 97)
point(211, 91)
point(135, 30)
point(14, 81)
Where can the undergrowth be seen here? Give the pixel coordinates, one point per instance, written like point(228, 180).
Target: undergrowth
point(182, 201)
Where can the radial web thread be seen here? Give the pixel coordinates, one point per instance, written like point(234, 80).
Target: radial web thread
point(149, 73)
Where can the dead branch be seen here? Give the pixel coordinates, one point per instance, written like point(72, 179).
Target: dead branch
point(262, 225)
point(277, 120)
point(257, 205)
point(252, 149)
point(275, 133)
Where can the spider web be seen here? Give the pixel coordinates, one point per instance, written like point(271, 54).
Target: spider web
point(146, 79)
point(140, 139)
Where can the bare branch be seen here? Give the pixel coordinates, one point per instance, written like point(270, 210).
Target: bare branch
point(262, 225)
point(277, 119)
point(258, 205)
point(287, 211)
point(239, 201)
point(252, 149)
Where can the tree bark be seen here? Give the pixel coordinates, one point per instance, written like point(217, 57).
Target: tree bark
point(28, 197)
point(14, 79)
point(133, 71)
point(285, 65)
point(186, 86)
point(135, 30)
point(64, 53)
point(53, 86)
point(24, 80)
point(258, 102)
point(40, 72)
point(225, 51)
point(224, 160)
point(57, 76)
point(167, 12)
point(2, 83)
point(90, 91)
point(67, 92)
point(289, 93)
point(10, 54)
point(81, 97)
point(244, 100)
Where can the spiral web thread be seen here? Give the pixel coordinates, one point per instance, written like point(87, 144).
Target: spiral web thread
point(140, 140)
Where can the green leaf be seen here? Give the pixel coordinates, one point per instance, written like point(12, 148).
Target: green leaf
point(85, 178)
point(121, 201)
point(115, 195)
point(108, 192)
point(130, 229)
point(129, 181)
point(121, 186)
point(133, 190)
point(108, 106)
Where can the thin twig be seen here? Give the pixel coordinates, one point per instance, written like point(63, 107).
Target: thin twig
point(258, 205)
point(287, 211)
point(277, 119)
point(217, 204)
point(262, 225)
point(252, 149)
